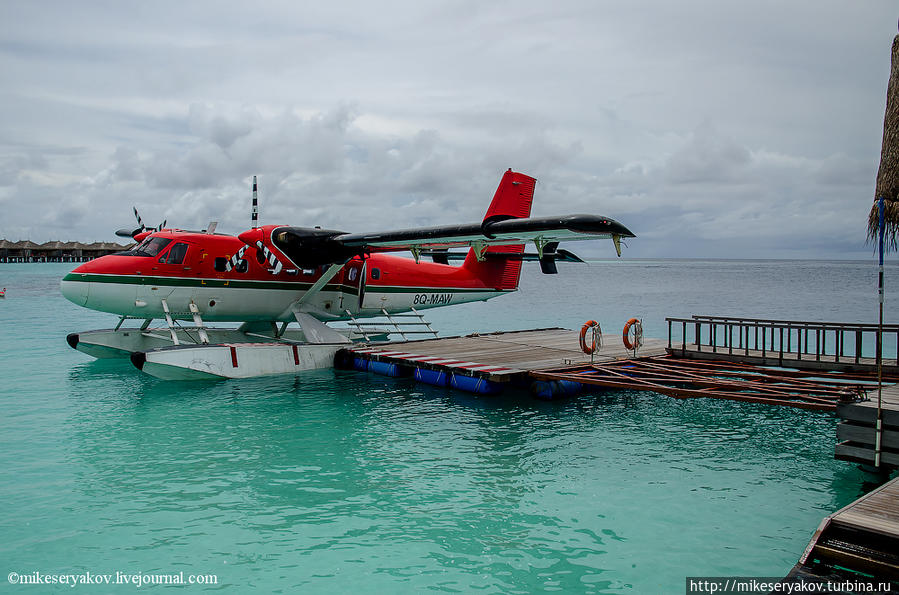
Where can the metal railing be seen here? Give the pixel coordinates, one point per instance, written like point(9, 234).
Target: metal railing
point(403, 324)
point(784, 339)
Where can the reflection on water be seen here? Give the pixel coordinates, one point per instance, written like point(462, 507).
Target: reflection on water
point(335, 469)
point(289, 483)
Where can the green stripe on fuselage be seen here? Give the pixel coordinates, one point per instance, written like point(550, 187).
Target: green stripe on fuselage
point(247, 284)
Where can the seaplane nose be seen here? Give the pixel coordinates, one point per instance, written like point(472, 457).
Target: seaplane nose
point(75, 291)
point(74, 286)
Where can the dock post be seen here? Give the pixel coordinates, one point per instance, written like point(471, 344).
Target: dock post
point(669, 333)
point(780, 352)
point(878, 429)
point(858, 345)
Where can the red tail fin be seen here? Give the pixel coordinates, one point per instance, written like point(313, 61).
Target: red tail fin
point(512, 200)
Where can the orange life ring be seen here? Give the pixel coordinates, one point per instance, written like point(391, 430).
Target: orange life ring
point(638, 334)
point(590, 324)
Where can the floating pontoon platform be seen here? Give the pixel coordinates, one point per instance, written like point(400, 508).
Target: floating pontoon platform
point(485, 362)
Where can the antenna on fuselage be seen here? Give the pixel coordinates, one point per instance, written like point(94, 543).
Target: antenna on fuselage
point(255, 206)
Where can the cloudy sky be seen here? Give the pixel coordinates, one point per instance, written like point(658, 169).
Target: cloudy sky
point(709, 128)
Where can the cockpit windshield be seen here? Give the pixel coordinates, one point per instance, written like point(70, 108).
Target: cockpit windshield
point(149, 247)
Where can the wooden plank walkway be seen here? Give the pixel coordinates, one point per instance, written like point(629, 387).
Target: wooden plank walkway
point(733, 381)
point(861, 537)
point(502, 356)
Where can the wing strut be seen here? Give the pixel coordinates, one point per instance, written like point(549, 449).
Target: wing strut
point(322, 281)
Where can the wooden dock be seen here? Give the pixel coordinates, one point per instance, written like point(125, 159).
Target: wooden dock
point(503, 356)
point(740, 354)
point(553, 357)
point(863, 537)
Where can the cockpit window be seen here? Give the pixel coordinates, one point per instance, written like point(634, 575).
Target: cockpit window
point(175, 255)
point(149, 247)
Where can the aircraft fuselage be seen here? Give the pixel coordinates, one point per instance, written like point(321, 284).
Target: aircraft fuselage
point(185, 267)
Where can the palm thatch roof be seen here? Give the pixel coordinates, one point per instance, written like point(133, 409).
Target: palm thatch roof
point(888, 175)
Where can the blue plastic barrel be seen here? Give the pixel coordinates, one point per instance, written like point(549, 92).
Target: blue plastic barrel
point(554, 389)
point(434, 377)
point(385, 369)
point(475, 385)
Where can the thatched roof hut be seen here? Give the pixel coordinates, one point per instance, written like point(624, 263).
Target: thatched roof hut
point(888, 175)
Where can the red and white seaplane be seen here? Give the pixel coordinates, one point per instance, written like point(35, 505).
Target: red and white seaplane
point(273, 275)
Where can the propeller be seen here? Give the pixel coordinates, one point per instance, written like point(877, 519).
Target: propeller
point(253, 238)
point(130, 233)
point(268, 256)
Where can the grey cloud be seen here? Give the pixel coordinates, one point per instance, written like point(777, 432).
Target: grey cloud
point(738, 130)
point(707, 157)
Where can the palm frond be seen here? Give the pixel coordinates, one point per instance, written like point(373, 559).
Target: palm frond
point(887, 185)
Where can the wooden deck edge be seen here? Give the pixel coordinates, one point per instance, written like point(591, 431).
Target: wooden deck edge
point(859, 453)
point(866, 434)
point(866, 412)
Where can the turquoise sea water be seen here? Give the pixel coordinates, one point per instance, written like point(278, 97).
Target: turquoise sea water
point(338, 481)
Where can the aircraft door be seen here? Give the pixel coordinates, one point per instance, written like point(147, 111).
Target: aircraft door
point(353, 284)
point(173, 263)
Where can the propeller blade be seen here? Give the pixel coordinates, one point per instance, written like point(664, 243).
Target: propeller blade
point(234, 260)
point(139, 220)
point(269, 257)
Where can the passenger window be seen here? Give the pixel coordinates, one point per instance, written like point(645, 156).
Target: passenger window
point(376, 273)
point(175, 255)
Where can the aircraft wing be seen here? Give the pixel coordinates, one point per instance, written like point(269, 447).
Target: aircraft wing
point(491, 233)
point(308, 247)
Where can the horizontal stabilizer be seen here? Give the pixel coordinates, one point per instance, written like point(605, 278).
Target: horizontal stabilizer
point(560, 255)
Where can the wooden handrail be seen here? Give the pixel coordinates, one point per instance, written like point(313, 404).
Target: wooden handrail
point(774, 338)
